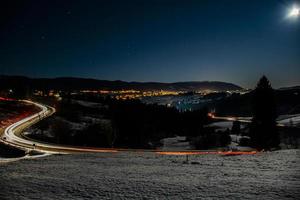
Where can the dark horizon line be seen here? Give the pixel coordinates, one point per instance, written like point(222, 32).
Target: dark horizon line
point(116, 80)
point(152, 82)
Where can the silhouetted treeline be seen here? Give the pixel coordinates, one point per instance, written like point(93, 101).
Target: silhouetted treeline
point(138, 125)
point(289, 137)
point(210, 138)
point(263, 129)
point(10, 152)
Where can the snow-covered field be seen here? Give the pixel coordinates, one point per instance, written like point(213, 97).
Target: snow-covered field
point(293, 120)
point(223, 125)
point(177, 143)
point(269, 175)
point(88, 103)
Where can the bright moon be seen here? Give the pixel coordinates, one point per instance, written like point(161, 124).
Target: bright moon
point(294, 12)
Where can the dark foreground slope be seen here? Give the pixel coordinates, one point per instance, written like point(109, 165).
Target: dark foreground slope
point(269, 175)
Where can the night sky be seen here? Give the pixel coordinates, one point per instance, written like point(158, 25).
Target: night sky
point(145, 40)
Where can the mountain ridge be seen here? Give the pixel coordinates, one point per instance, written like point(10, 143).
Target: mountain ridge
point(75, 83)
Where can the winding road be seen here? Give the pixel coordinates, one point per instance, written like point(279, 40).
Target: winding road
point(12, 135)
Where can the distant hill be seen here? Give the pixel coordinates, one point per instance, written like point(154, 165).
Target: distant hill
point(287, 99)
point(70, 83)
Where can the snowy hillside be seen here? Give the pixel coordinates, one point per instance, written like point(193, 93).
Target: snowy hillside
point(269, 175)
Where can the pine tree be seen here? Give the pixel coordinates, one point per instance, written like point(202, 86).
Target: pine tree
point(236, 128)
point(263, 129)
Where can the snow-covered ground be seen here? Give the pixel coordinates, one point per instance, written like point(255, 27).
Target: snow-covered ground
point(290, 120)
point(223, 125)
point(269, 175)
point(9, 160)
point(87, 103)
point(286, 120)
point(178, 143)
